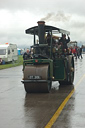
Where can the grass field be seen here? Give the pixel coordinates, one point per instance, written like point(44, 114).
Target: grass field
point(13, 64)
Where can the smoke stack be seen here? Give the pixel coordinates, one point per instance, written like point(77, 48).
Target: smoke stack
point(41, 32)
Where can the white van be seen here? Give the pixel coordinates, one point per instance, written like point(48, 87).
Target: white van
point(8, 52)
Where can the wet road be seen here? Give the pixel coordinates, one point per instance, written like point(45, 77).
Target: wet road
point(21, 110)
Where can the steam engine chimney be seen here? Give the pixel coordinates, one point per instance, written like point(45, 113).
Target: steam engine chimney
point(41, 32)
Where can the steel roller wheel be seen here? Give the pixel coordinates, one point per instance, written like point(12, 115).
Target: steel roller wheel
point(39, 70)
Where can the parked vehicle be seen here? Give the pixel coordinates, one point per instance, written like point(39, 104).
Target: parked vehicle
point(8, 52)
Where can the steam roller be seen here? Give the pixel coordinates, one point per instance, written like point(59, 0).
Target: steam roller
point(46, 62)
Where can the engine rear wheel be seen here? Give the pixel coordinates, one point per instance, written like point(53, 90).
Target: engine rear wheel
point(69, 72)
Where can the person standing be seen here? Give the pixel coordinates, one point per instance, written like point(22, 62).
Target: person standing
point(63, 41)
point(26, 55)
point(81, 52)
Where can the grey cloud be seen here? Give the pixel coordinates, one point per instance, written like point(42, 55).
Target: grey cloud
point(16, 37)
point(78, 25)
point(50, 9)
point(77, 29)
point(71, 6)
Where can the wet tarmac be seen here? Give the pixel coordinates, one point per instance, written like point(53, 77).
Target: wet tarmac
point(34, 110)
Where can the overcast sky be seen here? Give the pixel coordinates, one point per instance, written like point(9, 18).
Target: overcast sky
point(18, 15)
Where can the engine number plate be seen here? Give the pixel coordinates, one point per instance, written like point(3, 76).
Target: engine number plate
point(34, 77)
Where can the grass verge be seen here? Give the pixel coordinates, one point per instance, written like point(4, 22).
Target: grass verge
point(13, 64)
